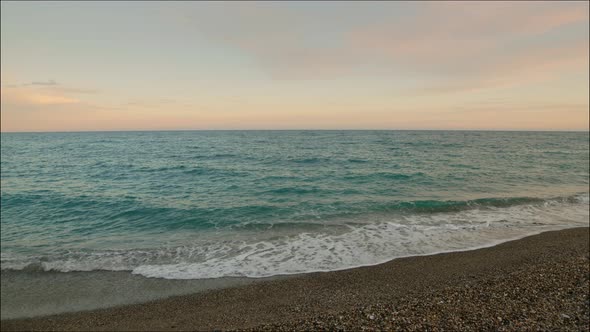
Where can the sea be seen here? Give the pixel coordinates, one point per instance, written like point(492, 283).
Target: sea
point(133, 216)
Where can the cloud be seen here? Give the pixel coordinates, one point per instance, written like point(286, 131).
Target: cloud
point(33, 107)
point(34, 83)
point(153, 103)
point(43, 83)
point(53, 87)
point(444, 39)
point(23, 96)
point(66, 90)
point(532, 66)
point(41, 93)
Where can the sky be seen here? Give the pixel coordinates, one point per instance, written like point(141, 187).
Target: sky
point(86, 66)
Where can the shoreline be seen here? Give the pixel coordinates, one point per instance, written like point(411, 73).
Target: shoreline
point(322, 298)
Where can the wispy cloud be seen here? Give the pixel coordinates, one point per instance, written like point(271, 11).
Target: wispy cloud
point(20, 96)
point(446, 38)
point(43, 83)
point(42, 93)
point(34, 83)
point(532, 66)
point(47, 107)
point(67, 90)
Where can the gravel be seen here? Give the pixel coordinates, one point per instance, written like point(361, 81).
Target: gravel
point(537, 283)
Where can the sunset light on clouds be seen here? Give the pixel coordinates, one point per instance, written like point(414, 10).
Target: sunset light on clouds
point(69, 66)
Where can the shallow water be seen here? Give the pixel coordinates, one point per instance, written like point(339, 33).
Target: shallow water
point(30, 294)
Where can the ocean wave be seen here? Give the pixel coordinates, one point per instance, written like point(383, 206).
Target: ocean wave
point(357, 161)
point(286, 247)
point(293, 190)
point(130, 212)
point(378, 176)
point(311, 160)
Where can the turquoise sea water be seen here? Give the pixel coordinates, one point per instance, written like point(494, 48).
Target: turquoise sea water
point(209, 204)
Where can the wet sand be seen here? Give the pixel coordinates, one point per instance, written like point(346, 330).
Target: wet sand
point(539, 282)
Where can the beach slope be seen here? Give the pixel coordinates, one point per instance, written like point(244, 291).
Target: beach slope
point(538, 282)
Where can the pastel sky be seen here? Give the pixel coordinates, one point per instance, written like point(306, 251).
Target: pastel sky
point(76, 66)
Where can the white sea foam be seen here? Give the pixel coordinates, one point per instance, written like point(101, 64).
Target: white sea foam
point(275, 251)
point(375, 243)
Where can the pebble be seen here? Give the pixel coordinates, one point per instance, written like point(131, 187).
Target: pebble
point(514, 308)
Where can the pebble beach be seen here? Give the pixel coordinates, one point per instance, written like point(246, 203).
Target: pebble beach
point(540, 282)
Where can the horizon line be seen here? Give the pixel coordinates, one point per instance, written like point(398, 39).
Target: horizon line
point(185, 130)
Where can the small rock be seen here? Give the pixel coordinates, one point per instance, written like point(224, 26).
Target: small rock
point(565, 316)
